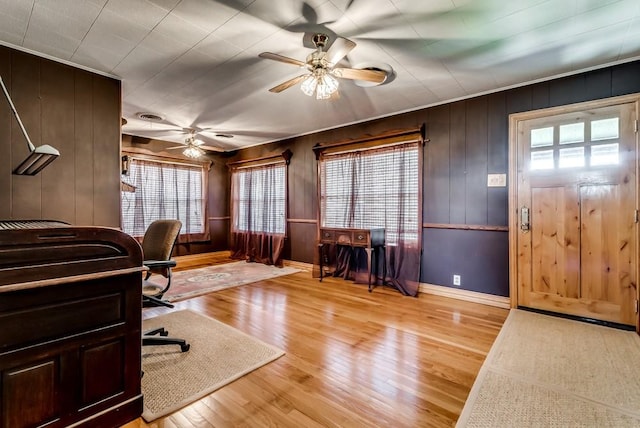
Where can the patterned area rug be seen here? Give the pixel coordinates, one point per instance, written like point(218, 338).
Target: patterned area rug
point(219, 354)
point(553, 372)
point(195, 282)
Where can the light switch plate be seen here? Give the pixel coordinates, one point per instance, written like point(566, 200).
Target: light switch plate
point(496, 180)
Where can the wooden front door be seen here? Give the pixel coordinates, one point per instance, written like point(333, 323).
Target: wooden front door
point(575, 219)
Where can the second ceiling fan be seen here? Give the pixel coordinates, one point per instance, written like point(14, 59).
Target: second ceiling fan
point(320, 78)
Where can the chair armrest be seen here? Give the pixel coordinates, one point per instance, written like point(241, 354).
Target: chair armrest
point(159, 263)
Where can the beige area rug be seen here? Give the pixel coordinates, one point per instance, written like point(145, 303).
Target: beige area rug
point(544, 371)
point(196, 282)
point(219, 354)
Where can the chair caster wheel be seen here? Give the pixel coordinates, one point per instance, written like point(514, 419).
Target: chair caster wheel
point(185, 348)
point(164, 333)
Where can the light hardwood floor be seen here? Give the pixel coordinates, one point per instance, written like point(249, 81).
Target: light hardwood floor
point(353, 359)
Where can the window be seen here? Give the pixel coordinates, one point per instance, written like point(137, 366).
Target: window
point(375, 188)
point(259, 199)
point(579, 144)
point(161, 190)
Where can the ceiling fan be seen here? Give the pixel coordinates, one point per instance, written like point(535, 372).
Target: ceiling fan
point(194, 147)
point(320, 78)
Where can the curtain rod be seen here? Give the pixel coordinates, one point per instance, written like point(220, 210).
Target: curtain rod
point(395, 136)
point(166, 159)
point(286, 156)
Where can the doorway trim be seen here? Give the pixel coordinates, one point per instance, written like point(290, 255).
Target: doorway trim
point(514, 225)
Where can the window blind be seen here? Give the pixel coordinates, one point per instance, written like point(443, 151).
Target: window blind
point(163, 191)
point(375, 188)
point(259, 199)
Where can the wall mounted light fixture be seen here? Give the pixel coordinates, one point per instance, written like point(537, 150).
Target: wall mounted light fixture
point(124, 167)
point(39, 157)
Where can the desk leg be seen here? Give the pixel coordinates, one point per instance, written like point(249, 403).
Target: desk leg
point(320, 252)
point(384, 264)
point(369, 267)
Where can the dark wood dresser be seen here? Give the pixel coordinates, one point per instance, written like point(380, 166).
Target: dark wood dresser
point(372, 240)
point(70, 325)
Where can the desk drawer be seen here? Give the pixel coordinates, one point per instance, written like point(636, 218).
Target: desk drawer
point(327, 236)
point(361, 238)
point(344, 238)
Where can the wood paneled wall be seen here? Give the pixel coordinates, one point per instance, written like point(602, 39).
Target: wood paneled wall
point(468, 140)
point(78, 113)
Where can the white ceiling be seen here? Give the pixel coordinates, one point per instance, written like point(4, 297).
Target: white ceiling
point(196, 63)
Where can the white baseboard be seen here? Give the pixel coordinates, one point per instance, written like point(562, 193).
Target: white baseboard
point(466, 295)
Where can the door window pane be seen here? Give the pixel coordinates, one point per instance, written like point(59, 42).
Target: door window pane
point(542, 159)
point(542, 137)
point(604, 154)
point(572, 133)
point(605, 129)
point(571, 158)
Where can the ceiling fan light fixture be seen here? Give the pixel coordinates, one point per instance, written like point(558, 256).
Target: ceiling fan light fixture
point(326, 87)
point(193, 152)
point(309, 85)
point(320, 83)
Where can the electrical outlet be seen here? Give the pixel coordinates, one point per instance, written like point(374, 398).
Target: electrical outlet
point(457, 280)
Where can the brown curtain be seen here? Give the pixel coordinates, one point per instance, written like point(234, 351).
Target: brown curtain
point(163, 190)
point(258, 204)
point(376, 188)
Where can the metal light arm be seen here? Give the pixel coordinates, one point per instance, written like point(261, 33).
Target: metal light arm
point(39, 157)
point(15, 113)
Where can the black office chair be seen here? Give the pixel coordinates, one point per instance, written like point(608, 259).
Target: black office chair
point(157, 246)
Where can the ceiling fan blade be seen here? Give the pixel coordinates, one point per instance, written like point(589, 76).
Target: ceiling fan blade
point(339, 49)
point(375, 76)
point(280, 58)
point(176, 147)
point(289, 83)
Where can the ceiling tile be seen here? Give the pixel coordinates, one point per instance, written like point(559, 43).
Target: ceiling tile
point(180, 30)
point(244, 30)
point(141, 64)
point(165, 4)
point(20, 10)
point(205, 14)
point(448, 90)
point(111, 28)
point(43, 37)
point(138, 12)
point(166, 47)
point(96, 58)
point(14, 28)
point(65, 18)
point(9, 38)
point(217, 48)
point(100, 3)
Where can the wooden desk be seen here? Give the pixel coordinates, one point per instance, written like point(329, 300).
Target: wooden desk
point(70, 326)
point(372, 240)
